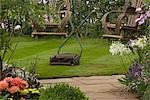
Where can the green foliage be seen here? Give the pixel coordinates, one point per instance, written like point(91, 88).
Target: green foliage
point(62, 92)
point(22, 12)
point(17, 12)
point(93, 26)
point(146, 95)
point(4, 97)
point(146, 57)
point(148, 1)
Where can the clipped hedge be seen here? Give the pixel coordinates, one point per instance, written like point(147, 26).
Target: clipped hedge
point(62, 91)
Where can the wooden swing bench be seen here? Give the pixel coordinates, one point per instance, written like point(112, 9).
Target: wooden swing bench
point(54, 28)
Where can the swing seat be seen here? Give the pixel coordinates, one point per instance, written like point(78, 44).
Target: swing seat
point(65, 59)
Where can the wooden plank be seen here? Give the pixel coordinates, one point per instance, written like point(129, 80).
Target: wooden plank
point(111, 25)
point(112, 36)
point(48, 33)
point(51, 24)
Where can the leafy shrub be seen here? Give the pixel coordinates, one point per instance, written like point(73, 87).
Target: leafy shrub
point(146, 95)
point(62, 92)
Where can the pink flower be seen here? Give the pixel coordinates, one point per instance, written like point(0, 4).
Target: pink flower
point(8, 79)
point(3, 85)
point(143, 16)
point(148, 13)
point(20, 83)
point(13, 89)
point(140, 20)
point(16, 81)
point(24, 85)
point(13, 85)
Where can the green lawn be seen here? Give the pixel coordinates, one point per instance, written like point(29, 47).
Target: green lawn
point(96, 59)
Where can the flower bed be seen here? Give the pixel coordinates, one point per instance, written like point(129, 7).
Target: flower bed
point(16, 88)
point(137, 77)
point(20, 85)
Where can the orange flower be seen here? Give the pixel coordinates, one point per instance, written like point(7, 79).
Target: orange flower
point(3, 85)
point(13, 89)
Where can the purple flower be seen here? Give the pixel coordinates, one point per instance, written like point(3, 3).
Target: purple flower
point(141, 20)
point(129, 43)
point(143, 17)
point(136, 71)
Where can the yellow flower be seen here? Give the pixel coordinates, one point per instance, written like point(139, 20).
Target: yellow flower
point(34, 91)
point(24, 92)
point(10, 98)
point(31, 89)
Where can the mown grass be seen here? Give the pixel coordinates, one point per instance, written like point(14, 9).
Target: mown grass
point(95, 60)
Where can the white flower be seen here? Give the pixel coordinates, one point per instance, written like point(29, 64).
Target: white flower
point(148, 13)
point(63, 15)
point(9, 65)
point(118, 48)
point(87, 2)
point(5, 64)
point(3, 25)
point(138, 10)
point(133, 43)
point(43, 1)
point(17, 27)
point(140, 42)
